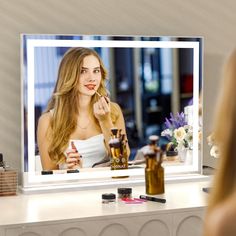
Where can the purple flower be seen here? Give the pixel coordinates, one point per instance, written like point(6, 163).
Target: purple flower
point(174, 122)
point(168, 125)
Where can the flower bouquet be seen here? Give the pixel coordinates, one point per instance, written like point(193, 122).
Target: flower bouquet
point(214, 151)
point(178, 133)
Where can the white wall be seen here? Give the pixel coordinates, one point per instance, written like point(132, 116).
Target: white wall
point(212, 19)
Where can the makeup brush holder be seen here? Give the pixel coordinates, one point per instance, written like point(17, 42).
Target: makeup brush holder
point(119, 162)
point(119, 157)
point(154, 172)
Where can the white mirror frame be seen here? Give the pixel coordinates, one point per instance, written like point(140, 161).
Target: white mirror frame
point(32, 178)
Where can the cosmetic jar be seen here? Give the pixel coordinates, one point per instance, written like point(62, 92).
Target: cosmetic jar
point(124, 192)
point(108, 197)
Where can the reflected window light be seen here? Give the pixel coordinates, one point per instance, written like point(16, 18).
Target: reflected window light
point(166, 70)
point(147, 72)
point(47, 58)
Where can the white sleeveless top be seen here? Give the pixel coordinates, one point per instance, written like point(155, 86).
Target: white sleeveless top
point(92, 150)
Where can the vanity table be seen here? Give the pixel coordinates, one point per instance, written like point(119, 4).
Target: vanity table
point(83, 213)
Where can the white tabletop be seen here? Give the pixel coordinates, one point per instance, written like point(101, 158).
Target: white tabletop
point(24, 209)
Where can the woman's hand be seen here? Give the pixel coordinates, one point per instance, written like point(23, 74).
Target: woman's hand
point(73, 159)
point(101, 108)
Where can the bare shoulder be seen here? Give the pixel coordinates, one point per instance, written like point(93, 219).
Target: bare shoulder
point(116, 112)
point(221, 220)
point(116, 107)
point(44, 120)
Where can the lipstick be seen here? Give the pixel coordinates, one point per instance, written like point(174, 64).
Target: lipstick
point(101, 96)
point(98, 93)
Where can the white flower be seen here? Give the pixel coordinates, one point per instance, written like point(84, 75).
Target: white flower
point(180, 145)
point(179, 133)
point(199, 136)
point(189, 139)
point(167, 132)
point(214, 152)
point(211, 140)
point(188, 128)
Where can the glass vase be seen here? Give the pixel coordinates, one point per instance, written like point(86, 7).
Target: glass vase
point(185, 155)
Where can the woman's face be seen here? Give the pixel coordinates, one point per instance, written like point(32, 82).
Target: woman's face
point(90, 75)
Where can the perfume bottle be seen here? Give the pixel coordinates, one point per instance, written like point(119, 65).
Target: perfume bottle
point(117, 143)
point(154, 172)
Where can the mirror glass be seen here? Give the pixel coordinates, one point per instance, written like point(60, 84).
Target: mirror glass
point(149, 77)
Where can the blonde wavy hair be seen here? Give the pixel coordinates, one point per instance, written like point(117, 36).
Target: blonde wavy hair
point(224, 132)
point(65, 98)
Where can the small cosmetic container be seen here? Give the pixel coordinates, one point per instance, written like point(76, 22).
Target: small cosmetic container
point(108, 197)
point(46, 172)
point(71, 171)
point(124, 193)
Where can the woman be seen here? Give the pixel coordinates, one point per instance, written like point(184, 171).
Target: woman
point(221, 214)
point(75, 129)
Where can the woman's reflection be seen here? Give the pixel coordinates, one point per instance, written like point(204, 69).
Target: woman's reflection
point(75, 129)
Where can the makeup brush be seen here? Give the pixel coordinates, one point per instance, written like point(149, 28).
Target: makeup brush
point(98, 93)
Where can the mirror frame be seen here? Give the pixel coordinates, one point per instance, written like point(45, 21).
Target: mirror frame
point(31, 178)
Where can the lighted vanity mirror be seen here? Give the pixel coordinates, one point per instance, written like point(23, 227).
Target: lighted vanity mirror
point(149, 77)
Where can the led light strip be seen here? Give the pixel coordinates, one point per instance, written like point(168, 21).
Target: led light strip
point(33, 43)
